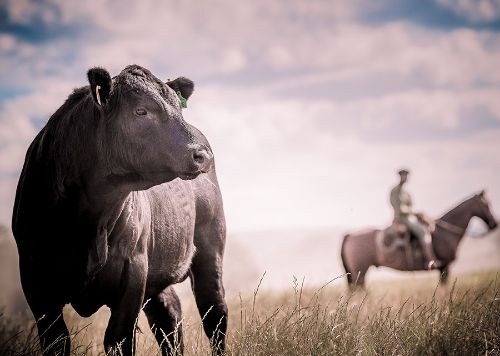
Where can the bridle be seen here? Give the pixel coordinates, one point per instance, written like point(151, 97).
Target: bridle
point(460, 231)
point(484, 209)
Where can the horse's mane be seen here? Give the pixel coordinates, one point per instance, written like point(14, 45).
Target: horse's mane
point(457, 207)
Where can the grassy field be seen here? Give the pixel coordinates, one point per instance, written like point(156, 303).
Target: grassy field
point(407, 317)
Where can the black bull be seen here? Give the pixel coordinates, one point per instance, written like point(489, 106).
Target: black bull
point(101, 218)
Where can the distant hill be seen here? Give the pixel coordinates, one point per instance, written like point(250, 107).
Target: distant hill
point(315, 255)
point(11, 295)
point(282, 254)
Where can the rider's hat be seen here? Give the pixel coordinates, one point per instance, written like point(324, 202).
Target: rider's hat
point(403, 172)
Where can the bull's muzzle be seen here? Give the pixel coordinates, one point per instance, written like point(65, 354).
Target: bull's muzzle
point(202, 158)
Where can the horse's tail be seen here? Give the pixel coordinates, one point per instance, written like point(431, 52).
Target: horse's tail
point(344, 262)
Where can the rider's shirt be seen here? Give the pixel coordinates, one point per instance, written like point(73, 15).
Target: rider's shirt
point(401, 202)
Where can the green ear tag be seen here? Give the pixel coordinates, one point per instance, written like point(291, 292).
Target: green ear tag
point(184, 102)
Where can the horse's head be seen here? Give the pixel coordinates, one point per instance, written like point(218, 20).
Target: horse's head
point(143, 133)
point(483, 210)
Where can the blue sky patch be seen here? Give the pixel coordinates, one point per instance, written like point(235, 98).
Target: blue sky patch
point(425, 13)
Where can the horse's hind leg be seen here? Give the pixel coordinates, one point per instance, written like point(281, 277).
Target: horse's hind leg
point(359, 280)
point(351, 279)
point(206, 282)
point(443, 274)
point(357, 277)
point(164, 314)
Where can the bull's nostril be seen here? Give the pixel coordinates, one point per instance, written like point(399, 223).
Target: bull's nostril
point(199, 157)
point(202, 159)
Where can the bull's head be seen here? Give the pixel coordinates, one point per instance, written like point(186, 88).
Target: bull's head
point(143, 134)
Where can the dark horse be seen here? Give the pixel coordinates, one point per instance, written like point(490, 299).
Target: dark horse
point(394, 249)
point(101, 218)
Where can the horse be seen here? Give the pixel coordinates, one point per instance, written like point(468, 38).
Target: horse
point(396, 249)
point(117, 201)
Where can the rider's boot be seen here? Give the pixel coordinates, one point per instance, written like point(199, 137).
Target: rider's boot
point(431, 261)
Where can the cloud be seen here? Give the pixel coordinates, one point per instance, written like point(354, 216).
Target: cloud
point(233, 61)
point(306, 104)
point(279, 57)
point(26, 11)
point(476, 11)
point(362, 56)
point(339, 159)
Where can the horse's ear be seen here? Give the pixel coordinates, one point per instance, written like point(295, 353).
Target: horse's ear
point(183, 85)
point(482, 193)
point(100, 85)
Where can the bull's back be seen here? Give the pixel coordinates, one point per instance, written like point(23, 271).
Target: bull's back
point(52, 244)
point(28, 195)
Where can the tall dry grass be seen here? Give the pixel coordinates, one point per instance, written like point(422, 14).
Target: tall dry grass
point(409, 317)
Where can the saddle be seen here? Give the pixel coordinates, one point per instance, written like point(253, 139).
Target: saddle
point(393, 239)
point(401, 230)
point(398, 236)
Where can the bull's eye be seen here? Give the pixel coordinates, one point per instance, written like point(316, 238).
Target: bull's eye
point(141, 112)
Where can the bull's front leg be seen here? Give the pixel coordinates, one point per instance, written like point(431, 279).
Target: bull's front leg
point(120, 333)
point(207, 285)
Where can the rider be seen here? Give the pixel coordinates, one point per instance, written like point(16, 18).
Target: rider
point(403, 213)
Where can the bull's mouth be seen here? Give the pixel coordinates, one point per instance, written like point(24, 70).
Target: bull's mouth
point(190, 175)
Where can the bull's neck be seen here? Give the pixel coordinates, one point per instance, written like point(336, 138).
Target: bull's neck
point(101, 196)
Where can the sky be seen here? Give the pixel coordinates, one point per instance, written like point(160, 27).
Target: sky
point(310, 106)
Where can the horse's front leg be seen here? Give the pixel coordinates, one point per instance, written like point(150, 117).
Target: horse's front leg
point(120, 333)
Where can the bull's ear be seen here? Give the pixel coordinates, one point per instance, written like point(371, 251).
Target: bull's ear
point(100, 85)
point(183, 85)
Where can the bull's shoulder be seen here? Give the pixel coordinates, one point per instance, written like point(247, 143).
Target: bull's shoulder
point(208, 197)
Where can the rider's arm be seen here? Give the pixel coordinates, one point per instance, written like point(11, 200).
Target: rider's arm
point(405, 209)
point(406, 206)
point(401, 208)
